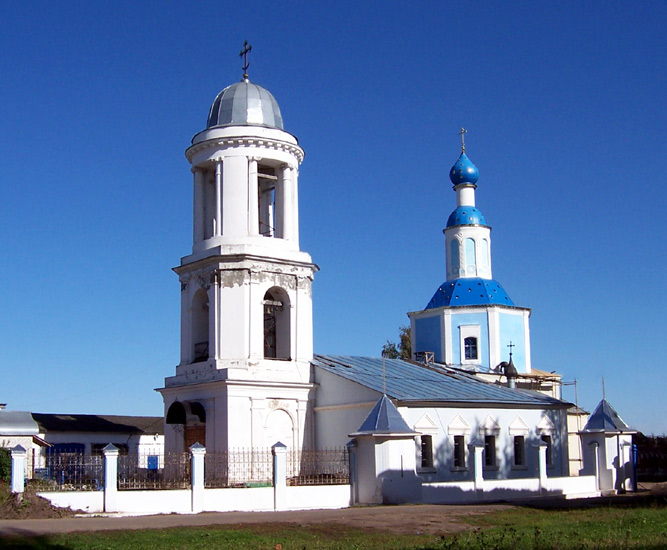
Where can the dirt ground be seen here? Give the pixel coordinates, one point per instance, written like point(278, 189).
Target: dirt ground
point(406, 519)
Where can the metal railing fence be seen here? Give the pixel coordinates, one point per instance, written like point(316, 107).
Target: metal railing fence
point(148, 471)
point(68, 471)
point(318, 467)
point(239, 468)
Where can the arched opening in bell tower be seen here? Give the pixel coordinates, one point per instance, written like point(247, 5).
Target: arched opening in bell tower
point(276, 324)
point(267, 180)
point(190, 419)
point(199, 324)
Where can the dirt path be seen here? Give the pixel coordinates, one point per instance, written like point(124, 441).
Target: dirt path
point(431, 519)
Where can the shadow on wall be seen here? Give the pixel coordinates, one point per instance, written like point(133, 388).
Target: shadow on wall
point(502, 464)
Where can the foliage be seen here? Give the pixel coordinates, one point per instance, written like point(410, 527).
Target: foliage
point(402, 350)
point(5, 464)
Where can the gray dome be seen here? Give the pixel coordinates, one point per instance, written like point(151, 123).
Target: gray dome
point(245, 104)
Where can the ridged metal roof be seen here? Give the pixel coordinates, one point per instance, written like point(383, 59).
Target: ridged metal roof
point(407, 381)
point(384, 419)
point(245, 103)
point(606, 419)
point(17, 423)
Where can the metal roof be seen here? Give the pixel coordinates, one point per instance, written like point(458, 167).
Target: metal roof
point(606, 419)
point(408, 382)
point(466, 215)
point(49, 422)
point(384, 419)
point(17, 423)
point(470, 291)
point(245, 103)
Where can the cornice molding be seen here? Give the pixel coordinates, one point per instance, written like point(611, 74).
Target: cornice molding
point(249, 142)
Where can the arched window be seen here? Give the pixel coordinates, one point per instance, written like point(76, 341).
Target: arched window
point(454, 258)
point(471, 261)
point(470, 345)
point(484, 256)
point(199, 323)
point(276, 324)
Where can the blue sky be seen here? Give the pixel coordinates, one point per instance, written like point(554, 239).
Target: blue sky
point(565, 108)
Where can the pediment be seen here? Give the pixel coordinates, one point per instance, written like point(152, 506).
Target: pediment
point(425, 425)
point(489, 426)
point(458, 426)
point(545, 426)
point(519, 427)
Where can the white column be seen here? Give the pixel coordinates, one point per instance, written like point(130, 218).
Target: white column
point(295, 206)
point(198, 206)
point(279, 452)
point(110, 478)
point(253, 198)
point(478, 476)
point(279, 210)
point(287, 203)
point(19, 459)
point(542, 464)
point(197, 453)
point(218, 200)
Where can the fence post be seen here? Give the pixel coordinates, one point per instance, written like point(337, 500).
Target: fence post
point(352, 467)
point(477, 469)
point(197, 453)
point(279, 452)
point(19, 458)
point(542, 464)
point(110, 478)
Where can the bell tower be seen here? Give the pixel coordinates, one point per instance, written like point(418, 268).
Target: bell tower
point(246, 307)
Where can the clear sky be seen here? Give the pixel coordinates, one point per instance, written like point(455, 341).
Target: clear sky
point(564, 103)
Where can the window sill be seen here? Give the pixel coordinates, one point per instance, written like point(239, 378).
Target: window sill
point(490, 468)
point(458, 469)
point(430, 470)
point(519, 467)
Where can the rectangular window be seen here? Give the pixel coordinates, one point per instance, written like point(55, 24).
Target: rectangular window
point(519, 450)
point(426, 447)
point(459, 451)
point(490, 451)
point(547, 440)
point(470, 344)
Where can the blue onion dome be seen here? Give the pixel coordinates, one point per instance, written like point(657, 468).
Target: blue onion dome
point(466, 215)
point(464, 171)
point(245, 104)
point(473, 291)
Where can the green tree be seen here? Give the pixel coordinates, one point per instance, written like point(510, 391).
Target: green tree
point(5, 464)
point(402, 350)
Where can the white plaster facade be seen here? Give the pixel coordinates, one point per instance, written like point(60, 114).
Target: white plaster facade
point(246, 297)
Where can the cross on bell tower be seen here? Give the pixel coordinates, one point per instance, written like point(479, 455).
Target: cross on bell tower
point(247, 48)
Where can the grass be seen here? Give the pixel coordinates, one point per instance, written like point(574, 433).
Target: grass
point(642, 526)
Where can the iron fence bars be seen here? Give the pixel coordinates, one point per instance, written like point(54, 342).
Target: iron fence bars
point(149, 471)
point(70, 471)
point(239, 468)
point(318, 467)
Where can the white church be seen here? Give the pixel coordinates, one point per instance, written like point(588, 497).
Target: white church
point(247, 375)
point(467, 418)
